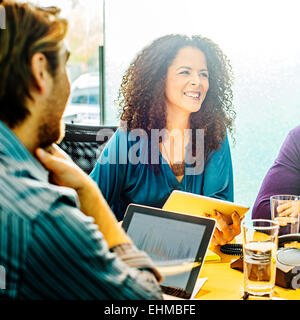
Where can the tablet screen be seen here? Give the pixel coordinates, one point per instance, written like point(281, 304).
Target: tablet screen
point(168, 242)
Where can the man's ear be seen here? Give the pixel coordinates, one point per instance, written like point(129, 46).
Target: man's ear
point(40, 72)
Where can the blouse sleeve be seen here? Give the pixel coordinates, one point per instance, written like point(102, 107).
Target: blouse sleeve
point(282, 178)
point(110, 170)
point(218, 175)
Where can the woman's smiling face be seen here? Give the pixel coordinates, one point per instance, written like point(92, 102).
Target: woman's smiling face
point(187, 81)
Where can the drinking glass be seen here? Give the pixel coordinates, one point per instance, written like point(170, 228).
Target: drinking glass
point(285, 209)
point(260, 239)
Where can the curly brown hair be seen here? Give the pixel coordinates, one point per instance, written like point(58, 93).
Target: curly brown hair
point(142, 92)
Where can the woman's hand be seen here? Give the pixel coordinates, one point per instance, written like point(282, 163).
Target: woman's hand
point(225, 232)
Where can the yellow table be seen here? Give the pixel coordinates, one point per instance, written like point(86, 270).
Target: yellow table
point(225, 283)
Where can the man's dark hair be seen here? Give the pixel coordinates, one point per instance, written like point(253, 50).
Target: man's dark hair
point(29, 29)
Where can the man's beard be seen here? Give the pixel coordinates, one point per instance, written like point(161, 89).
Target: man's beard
point(51, 132)
point(52, 127)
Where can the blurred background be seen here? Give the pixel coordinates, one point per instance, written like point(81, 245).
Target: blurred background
point(260, 38)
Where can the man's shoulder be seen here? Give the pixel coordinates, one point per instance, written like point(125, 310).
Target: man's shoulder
point(291, 143)
point(295, 132)
point(27, 197)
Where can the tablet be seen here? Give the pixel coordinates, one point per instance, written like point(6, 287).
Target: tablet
point(173, 241)
point(194, 204)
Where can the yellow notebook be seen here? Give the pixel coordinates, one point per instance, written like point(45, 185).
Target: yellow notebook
point(211, 256)
point(194, 204)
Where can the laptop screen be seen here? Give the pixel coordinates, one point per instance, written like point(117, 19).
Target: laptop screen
point(168, 242)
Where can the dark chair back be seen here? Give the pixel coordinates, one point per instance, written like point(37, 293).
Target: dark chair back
point(84, 143)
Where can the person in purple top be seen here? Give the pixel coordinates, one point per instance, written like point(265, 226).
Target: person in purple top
point(282, 178)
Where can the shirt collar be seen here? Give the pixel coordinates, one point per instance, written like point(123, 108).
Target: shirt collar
point(11, 147)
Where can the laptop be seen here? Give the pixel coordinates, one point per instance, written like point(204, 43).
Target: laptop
point(177, 244)
point(195, 204)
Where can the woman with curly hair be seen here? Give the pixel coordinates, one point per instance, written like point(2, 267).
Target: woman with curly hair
point(175, 94)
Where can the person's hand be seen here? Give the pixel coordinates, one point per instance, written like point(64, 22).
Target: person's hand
point(63, 171)
point(289, 208)
point(225, 232)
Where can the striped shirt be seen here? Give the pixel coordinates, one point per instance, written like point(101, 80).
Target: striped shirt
point(49, 249)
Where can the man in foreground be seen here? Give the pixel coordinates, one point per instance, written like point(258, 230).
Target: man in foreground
point(58, 240)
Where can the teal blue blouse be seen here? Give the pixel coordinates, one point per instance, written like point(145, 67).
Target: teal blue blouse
point(124, 181)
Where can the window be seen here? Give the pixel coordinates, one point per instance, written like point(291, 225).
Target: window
point(85, 39)
point(261, 39)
